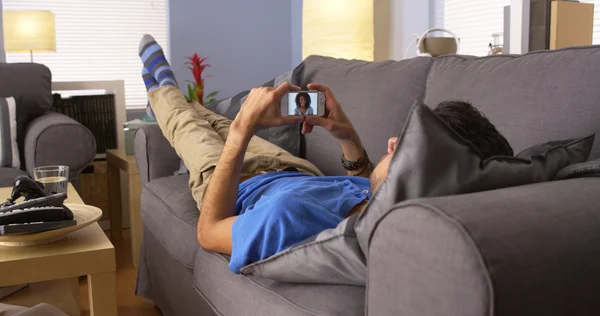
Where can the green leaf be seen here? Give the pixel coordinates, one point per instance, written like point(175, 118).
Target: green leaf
point(209, 101)
point(212, 94)
point(191, 94)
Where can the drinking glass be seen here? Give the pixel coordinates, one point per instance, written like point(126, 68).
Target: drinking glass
point(54, 178)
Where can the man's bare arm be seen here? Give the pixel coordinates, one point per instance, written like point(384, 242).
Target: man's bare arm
point(260, 110)
point(339, 126)
point(354, 150)
point(216, 215)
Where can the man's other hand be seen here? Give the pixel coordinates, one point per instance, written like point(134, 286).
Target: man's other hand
point(335, 121)
point(262, 109)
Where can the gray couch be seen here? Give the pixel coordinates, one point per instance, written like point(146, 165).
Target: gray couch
point(44, 138)
point(530, 250)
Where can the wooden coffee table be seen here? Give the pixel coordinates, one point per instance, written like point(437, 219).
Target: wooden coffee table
point(84, 252)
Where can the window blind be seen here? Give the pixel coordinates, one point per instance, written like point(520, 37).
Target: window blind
point(596, 19)
point(473, 21)
point(98, 40)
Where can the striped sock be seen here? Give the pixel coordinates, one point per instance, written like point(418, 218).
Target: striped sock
point(155, 61)
point(151, 84)
point(149, 80)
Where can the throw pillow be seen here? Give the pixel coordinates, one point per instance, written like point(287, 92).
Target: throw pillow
point(286, 137)
point(430, 160)
point(9, 151)
point(580, 170)
point(433, 160)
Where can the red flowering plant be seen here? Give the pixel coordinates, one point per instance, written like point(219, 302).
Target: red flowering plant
point(196, 88)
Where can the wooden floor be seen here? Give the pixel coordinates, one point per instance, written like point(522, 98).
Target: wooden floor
point(127, 303)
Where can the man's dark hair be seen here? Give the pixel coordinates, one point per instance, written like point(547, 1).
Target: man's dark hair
point(473, 126)
point(306, 97)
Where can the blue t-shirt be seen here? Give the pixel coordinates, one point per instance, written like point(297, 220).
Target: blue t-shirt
point(280, 209)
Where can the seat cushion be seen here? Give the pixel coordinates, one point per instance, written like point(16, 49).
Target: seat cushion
point(170, 212)
point(7, 176)
point(234, 294)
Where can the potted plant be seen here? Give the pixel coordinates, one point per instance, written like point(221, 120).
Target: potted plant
point(196, 88)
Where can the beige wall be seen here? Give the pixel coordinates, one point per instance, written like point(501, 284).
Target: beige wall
point(395, 23)
point(382, 17)
point(2, 56)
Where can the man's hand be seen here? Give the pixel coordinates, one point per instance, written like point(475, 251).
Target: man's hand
point(335, 122)
point(262, 109)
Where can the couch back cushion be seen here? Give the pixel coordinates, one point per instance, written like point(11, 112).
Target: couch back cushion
point(533, 98)
point(29, 83)
point(376, 96)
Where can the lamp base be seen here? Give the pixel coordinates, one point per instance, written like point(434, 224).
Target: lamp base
point(31, 55)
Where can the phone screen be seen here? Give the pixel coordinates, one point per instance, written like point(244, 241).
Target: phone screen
point(303, 103)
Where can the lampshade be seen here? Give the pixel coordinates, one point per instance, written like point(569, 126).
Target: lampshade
point(338, 28)
point(26, 31)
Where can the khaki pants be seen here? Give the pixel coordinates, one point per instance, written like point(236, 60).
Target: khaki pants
point(198, 135)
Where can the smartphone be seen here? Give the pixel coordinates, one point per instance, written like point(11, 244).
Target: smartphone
point(303, 103)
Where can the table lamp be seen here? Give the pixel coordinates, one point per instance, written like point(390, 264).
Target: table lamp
point(29, 31)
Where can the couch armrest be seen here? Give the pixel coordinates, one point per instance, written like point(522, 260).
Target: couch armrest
point(529, 250)
point(154, 155)
point(56, 139)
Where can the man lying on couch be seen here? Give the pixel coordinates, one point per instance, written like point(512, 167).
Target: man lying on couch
point(255, 199)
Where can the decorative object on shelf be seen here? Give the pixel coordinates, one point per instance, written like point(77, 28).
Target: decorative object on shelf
point(196, 88)
point(29, 31)
point(437, 46)
point(497, 45)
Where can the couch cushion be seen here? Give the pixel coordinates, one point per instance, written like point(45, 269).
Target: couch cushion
point(30, 85)
point(169, 211)
point(8, 136)
point(29, 81)
point(377, 98)
point(432, 159)
point(234, 294)
point(531, 98)
point(7, 176)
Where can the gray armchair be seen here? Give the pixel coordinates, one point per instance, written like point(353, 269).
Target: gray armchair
point(43, 137)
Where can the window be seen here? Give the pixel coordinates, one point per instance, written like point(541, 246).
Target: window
point(98, 40)
point(473, 21)
point(596, 19)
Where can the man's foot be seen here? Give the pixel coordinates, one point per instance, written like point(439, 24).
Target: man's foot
point(151, 84)
point(155, 62)
point(149, 80)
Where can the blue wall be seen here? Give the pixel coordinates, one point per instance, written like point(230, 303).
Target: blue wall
point(248, 42)
point(296, 32)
